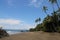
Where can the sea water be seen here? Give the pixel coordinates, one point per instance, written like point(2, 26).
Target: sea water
point(12, 32)
point(16, 32)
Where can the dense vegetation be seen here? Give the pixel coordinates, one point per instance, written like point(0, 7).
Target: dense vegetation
point(51, 23)
point(3, 33)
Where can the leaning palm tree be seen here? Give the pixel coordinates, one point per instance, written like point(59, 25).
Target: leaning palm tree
point(38, 20)
point(45, 9)
point(53, 2)
point(57, 4)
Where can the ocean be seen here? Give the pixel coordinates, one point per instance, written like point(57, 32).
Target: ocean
point(13, 32)
point(16, 32)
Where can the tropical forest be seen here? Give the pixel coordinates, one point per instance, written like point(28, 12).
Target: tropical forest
point(51, 23)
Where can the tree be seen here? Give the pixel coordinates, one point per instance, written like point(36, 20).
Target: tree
point(38, 20)
point(32, 29)
point(55, 20)
point(54, 2)
point(47, 23)
point(57, 4)
point(39, 27)
point(51, 23)
point(45, 9)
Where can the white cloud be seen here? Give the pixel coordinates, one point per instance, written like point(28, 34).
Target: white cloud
point(9, 21)
point(36, 3)
point(14, 24)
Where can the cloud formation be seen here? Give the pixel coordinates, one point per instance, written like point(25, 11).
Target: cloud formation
point(36, 3)
point(14, 24)
point(9, 21)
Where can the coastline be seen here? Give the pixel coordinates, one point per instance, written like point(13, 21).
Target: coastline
point(33, 36)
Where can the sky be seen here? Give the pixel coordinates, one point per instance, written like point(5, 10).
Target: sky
point(21, 14)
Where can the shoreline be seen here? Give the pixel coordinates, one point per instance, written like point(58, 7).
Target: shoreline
point(33, 36)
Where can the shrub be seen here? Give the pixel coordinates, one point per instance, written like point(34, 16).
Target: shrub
point(3, 33)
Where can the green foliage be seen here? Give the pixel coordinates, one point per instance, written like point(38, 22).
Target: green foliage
point(53, 1)
point(58, 29)
point(38, 20)
point(38, 27)
point(51, 23)
point(45, 9)
point(3, 33)
point(32, 29)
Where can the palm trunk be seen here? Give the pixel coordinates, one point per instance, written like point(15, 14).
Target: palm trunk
point(53, 8)
point(54, 28)
point(46, 13)
point(57, 4)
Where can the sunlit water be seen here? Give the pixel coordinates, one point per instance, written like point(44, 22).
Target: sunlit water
point(14, 32)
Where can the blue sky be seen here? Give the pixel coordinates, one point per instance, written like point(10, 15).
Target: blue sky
point(21, 14)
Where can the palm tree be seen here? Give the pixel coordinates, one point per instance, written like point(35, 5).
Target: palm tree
point(57, 4)
point(53, 2)
point(44, 9)
point(38, 20)
point(54, 13)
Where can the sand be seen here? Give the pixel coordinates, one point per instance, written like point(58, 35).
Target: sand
point(34, 36)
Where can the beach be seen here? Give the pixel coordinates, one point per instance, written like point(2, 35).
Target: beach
point(33, 36)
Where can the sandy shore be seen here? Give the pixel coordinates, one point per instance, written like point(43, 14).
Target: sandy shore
point(33, 36)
